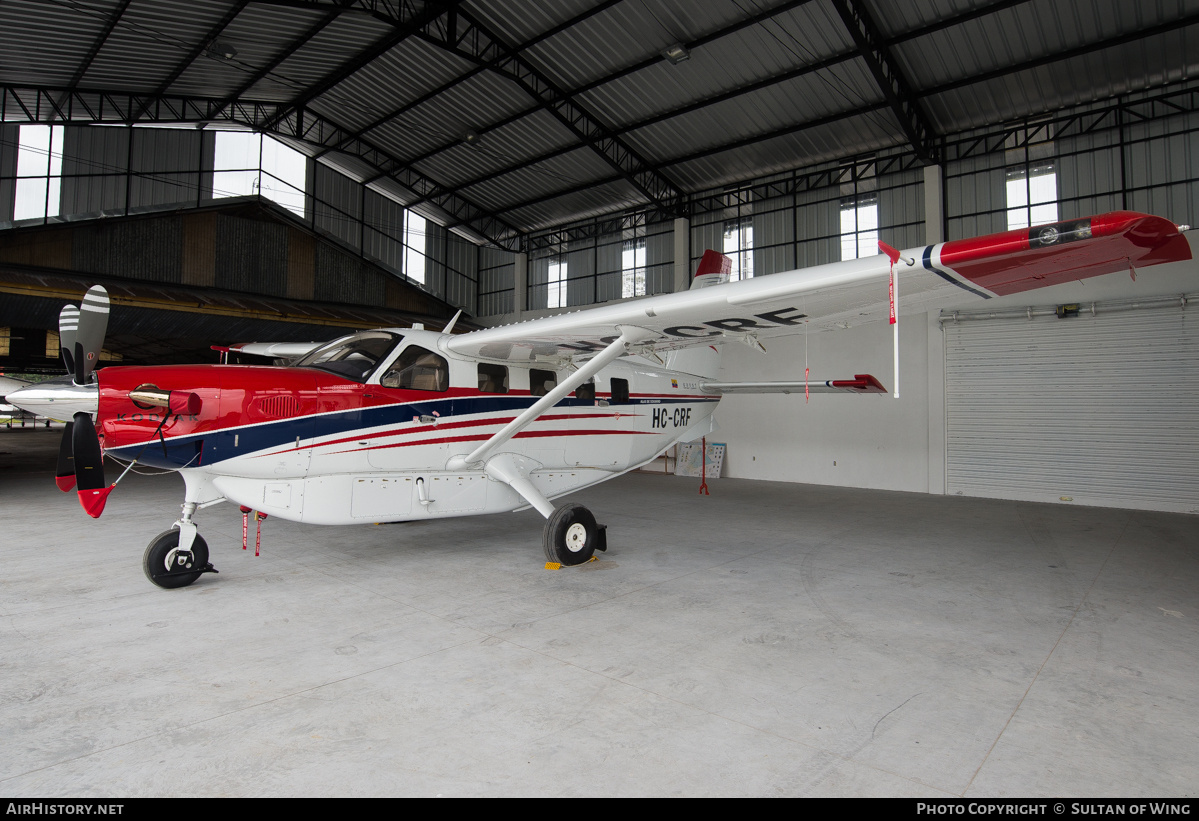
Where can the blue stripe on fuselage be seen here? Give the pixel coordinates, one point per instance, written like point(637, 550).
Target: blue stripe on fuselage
point(210, 447)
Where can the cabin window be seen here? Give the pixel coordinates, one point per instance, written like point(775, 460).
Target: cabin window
point(418, 370)
point(586, 391)
point(493, 378)
point(620, 391)
point(542, 382)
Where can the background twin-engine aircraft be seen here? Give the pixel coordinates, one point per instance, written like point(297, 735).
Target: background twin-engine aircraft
point(400, 424)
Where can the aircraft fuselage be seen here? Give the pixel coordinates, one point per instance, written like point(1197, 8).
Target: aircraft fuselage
point(309, 445)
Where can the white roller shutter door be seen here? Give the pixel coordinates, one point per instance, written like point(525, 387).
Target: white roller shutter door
point(1102, 410)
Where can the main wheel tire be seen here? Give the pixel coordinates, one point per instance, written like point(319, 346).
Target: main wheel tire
point(570, 535)
point(160, 565)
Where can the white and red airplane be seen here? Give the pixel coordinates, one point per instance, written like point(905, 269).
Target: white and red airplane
point(400, 424)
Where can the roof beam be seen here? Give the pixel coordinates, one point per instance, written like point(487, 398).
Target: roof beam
point(955, 20)
point(470, 39)
point(199, 49)
point(478, 69)
point(1048, 59)
point(98, 43)
point(706, 39)
point(677, 112)
point(273, 64)
point(883, 66)
point(408, 23)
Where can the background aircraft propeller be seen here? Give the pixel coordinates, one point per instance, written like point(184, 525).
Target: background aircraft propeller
point(80, 460)
point(93, 323)
point(68, 329)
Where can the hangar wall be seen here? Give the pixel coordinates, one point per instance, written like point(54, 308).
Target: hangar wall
point(121, 171)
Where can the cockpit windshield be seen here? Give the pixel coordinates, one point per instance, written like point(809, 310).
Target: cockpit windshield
point(354, 357)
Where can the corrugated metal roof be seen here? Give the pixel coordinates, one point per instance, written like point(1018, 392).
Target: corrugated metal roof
point(770, 84)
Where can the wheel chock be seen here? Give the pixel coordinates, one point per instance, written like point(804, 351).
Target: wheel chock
point(558, 566)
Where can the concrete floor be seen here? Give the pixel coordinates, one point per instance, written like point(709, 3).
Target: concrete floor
point(771, 639)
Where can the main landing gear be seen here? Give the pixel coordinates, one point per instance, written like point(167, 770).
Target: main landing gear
point(571, 535)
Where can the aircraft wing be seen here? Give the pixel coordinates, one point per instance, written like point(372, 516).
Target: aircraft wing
point(846, 293)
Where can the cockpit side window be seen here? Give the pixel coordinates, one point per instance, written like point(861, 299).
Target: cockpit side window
point(418, 369)
point(353, 357)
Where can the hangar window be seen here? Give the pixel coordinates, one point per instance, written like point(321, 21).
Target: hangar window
point(415, 228)
point(39, 172)
point(859, 228)
point(632, 265)
point(739, 247)
point(555, 295)
point(1031, 195)
point(249, 164)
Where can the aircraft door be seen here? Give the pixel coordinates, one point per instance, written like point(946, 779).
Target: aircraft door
point(416, 388)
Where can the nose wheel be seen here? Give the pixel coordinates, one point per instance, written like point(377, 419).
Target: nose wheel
point(571, 535)
point(168, 566)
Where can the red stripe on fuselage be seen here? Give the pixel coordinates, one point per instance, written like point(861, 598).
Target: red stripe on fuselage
point(482, 437)
point(435, 426)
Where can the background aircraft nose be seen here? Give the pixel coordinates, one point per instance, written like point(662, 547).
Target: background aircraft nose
point(57, 398)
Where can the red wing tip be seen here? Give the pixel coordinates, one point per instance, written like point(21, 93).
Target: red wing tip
point(65, 483)
point(93, 501)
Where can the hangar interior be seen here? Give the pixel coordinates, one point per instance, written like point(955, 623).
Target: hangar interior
point(299, 167)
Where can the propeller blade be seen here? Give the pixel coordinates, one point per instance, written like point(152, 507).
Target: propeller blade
point(68, 329)
point(65, 475)
point(89, 465)
point(93, 323)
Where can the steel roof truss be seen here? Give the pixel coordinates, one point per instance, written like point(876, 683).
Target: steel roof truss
point(894, 85)
point(472, 41)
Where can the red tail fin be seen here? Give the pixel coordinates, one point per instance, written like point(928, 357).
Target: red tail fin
point(714, 262)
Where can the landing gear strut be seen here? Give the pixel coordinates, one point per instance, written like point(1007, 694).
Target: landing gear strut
point(571, 535)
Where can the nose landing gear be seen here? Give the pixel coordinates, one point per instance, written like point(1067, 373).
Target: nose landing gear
point(169, 567)
point(179, 556)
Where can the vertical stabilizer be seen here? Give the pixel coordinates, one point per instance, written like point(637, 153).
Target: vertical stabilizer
point(713, 269)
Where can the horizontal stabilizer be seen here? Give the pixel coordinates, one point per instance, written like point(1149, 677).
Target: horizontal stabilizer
point(861, 383)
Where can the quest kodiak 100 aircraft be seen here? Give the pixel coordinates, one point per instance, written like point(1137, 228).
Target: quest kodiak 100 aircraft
point(403, 423)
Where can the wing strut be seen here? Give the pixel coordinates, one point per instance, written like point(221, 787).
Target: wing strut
point(629, 335)
point(513, 470)
point(893, 287)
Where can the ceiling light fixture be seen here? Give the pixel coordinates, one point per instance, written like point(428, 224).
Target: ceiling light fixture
point(470, 137)
point(222, 49)
point(677, 53)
